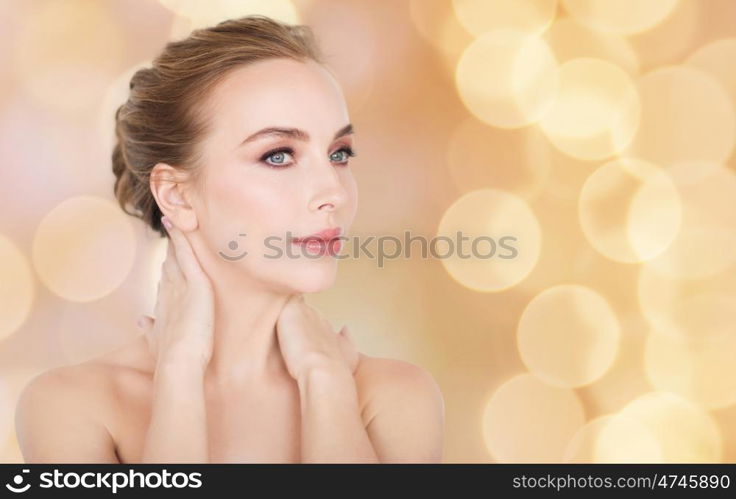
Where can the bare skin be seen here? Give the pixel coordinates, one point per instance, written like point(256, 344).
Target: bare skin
point(101, 410)
point(154, 400)
point(235, 366)
point(117, 391)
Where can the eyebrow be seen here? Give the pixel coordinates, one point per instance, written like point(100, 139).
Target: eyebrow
point(294, 133)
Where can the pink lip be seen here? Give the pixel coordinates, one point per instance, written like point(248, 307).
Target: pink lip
point(323, 235)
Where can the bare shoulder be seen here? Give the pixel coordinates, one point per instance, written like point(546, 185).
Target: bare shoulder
point(383, 381)
point(73, 384)
point(58, 418)
point(86, 380)
point(63, 414)
point(383, 369)
point(403, 410)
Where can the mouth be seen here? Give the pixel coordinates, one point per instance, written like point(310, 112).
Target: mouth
point(323, 235)
point(322, 242)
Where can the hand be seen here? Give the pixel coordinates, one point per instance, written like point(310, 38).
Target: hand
point(307, 340)
point(183, 327)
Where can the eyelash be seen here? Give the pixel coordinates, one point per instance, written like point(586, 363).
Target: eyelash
point(347, 149)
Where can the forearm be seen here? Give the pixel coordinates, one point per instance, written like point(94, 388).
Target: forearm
point(177, 431)
point(332, 427)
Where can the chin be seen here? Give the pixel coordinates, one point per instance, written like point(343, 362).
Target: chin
point(314, 280)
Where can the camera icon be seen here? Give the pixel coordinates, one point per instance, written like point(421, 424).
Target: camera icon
point(18, 481)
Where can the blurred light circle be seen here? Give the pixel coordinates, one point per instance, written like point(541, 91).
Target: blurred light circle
point(507, 78)
point(44, 162)
point(200, 14)
point(84, 248)
point(16, 287)
point(517, 161)
point(620, 16)
point(528, 421)
point(685, 432)
point(569, 39)
point(9, 15)
point(357, 62)
point(66, 52)
point(629, 210)
point(77, 342)
point(568, 336)
point(703, 371)
point(710, 58)
point(436, 23)
point(205, 14)
point(705, 244)
point(674, 38)
point(501, 244)
point(613, 439)
point(117, 94)
point(686, 117)
point(696, 309)
point(625, 379)
point(481, 16)
point(595, 112)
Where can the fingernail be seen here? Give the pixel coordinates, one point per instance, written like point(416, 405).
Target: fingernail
point(166, 222)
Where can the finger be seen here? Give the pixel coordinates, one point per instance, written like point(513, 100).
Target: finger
point(185, 256)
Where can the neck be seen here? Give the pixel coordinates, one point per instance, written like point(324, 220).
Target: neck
point(245, 344)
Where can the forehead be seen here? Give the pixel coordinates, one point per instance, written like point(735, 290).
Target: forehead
point(277, 92)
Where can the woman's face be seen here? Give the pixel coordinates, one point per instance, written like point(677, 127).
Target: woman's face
point(275, 186)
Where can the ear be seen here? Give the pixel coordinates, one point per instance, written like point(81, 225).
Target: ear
point(172, 194)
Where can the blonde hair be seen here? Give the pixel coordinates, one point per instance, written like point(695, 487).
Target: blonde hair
point(162, 120)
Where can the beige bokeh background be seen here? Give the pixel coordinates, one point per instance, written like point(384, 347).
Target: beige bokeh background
point(600, 135)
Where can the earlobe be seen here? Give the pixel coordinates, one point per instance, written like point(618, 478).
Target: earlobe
point(168, 188)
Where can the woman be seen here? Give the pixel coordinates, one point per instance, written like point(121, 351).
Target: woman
point(235, 146)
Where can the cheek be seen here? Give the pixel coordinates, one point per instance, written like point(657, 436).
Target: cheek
point(256, 206)
point(351, 187)
point(256, 202)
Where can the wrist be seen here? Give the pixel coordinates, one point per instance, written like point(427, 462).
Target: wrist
point(180, 367)
point(324, 371)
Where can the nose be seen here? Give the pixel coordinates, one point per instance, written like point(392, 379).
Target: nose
point(329, 192)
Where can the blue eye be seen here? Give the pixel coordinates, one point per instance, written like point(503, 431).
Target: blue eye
point(279, 154)
point(349, 153)
point(278, 160)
